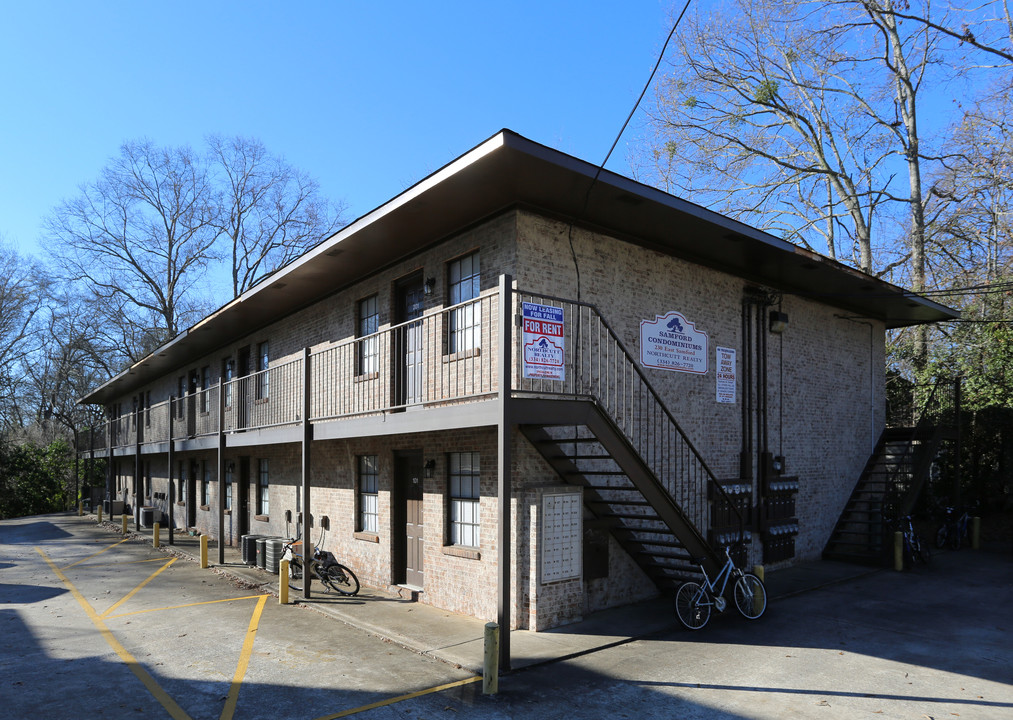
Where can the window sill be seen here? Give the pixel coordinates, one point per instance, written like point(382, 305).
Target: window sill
point(261, 401)
point(462, 552)
point(262, 518)
point(462, 355)
point(181, 503)
point(205, 507)
point(366, 536)
point(366, 377)
point(228, 511)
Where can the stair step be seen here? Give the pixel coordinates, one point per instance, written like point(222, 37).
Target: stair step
point(619, 503)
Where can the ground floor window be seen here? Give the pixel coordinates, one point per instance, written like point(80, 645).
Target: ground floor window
point(464, 498)
point(369, 481)
point(205, 485)
point(228, 487)
point(181, 484)
point(263, 486)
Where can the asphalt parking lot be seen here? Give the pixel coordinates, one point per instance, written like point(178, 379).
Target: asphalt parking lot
point(95, 626)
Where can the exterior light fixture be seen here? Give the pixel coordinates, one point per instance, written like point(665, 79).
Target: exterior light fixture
point(429, 286)
point(429, 469)
point(778, 321)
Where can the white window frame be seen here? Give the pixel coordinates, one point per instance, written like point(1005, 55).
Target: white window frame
point(464, 491)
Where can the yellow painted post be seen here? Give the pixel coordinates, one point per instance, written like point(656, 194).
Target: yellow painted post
point(156, 531)
point(99, 514)
point(80, 509)
point(758, 598)
point(898, 551)
point(283, 582)
point(125, 517)
point(976, 533)
point(203, 551)
point(490, 667)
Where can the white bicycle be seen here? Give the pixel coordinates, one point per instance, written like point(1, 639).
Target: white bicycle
point(694, 601)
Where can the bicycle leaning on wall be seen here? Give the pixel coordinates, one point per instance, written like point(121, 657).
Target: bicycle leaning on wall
point(324, 567)
point(694, 601)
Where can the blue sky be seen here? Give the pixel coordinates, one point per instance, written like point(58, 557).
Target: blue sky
point(368, 97)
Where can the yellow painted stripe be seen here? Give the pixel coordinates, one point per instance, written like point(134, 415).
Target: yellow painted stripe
point(400, 698)
point(96, 554)
point(244, 661)
point(177, 607)
point(136, 589)
point(174, 710)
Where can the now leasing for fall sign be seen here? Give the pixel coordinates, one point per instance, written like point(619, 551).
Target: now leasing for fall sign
point(671, 342)
point(543, 342)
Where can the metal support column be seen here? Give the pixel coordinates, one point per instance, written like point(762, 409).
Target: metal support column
point(170, 490)
point(221, 471)
point(138, 487)
point(307, 441)
point(504, 428)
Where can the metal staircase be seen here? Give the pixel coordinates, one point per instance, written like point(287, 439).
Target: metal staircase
point(606, 429)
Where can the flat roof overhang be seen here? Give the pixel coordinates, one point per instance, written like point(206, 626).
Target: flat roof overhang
point(508, 171)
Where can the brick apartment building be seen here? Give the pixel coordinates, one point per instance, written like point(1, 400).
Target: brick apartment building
point(520, 391)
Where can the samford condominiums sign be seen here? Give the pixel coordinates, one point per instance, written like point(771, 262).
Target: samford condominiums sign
point(671, 342)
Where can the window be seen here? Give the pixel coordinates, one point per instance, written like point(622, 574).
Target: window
point(147, 478)
point(368, 493)
point(263, 380)
point(466, 320)
point(205, 484)
point(205, 392)
point(464, 498)
point(228, 373)
point(228, 486)
point(147, 409)
point(369, 345)
point(263, 486)
point(182, 481)
point(180, 394)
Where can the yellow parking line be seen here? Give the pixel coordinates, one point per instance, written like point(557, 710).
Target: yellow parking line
point(244, 661)
point(96, 554)
point(177, 607)
point(400, 698)
point(174, 710)
point(136, 589)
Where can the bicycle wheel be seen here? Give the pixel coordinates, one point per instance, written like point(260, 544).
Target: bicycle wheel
point(340, 579)
point(956, 537)
point(750, 596)
point(692, 606)
point(295, 573)
point(941, 537)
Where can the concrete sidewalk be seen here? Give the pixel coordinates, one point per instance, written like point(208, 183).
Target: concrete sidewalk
point(459, 639)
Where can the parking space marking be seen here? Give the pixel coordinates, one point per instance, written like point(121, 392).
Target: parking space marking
point(177, 607)
point(136, 589)
point(244, 661)
point(174, 710)
point(400, 698)
point(94, 555)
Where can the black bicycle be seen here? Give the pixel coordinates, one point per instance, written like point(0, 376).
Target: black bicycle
point(324, 567)
point(915, 549)
point(953, 531)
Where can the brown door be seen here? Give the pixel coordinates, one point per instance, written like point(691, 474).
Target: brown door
point(407, 354)
point(243, 496)
point(191, 495)
point(410, 549)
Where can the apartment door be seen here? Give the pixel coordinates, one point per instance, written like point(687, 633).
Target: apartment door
point(408, 348)
point(409, 549)
point(191, 494)
point(243, 496)
point(243, 389)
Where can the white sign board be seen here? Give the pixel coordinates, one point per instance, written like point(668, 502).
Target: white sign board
point(725, 374)
point(671, 342)
point(561, 536)
point(543, 342)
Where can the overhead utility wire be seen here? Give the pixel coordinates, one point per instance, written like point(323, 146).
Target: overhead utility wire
point(594, 180)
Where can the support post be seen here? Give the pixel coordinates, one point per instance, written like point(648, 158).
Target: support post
point(898, 551)
point(490, 664)
point(169, 459)
point(306, 468)
point(221, 471)
point(504, 460)
point(976, 533)
point(99, 521)
point(138, 485)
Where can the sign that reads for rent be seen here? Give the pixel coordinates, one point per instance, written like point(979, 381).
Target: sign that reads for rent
point(543, 342)
point(671, 342)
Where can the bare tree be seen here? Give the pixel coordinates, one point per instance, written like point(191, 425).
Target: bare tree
point(140, 238)
point(22, 289)
point(269, 211)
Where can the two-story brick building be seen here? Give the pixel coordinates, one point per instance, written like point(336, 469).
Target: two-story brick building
point(520, 390)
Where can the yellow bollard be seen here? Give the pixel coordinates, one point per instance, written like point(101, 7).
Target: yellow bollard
point(758, 599)
point(976, 533)
point(203, 551)
point(898, 551)
point(283, 582)
point(99, 514)
point(125, 517)
point(80, 509)
point(156, 531)
point(490, 668)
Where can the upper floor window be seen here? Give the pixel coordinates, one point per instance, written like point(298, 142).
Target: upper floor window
point(263, 379)
point(464, 275)
point(180, 394)
point(228, 373)
point(263, 487)
point(464, 498)
point(228, 486)
point(369, 482)
point(205, 485)
point(205, 389)
point(369, 346)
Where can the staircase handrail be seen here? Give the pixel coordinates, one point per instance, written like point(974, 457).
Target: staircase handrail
point(652, 395)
